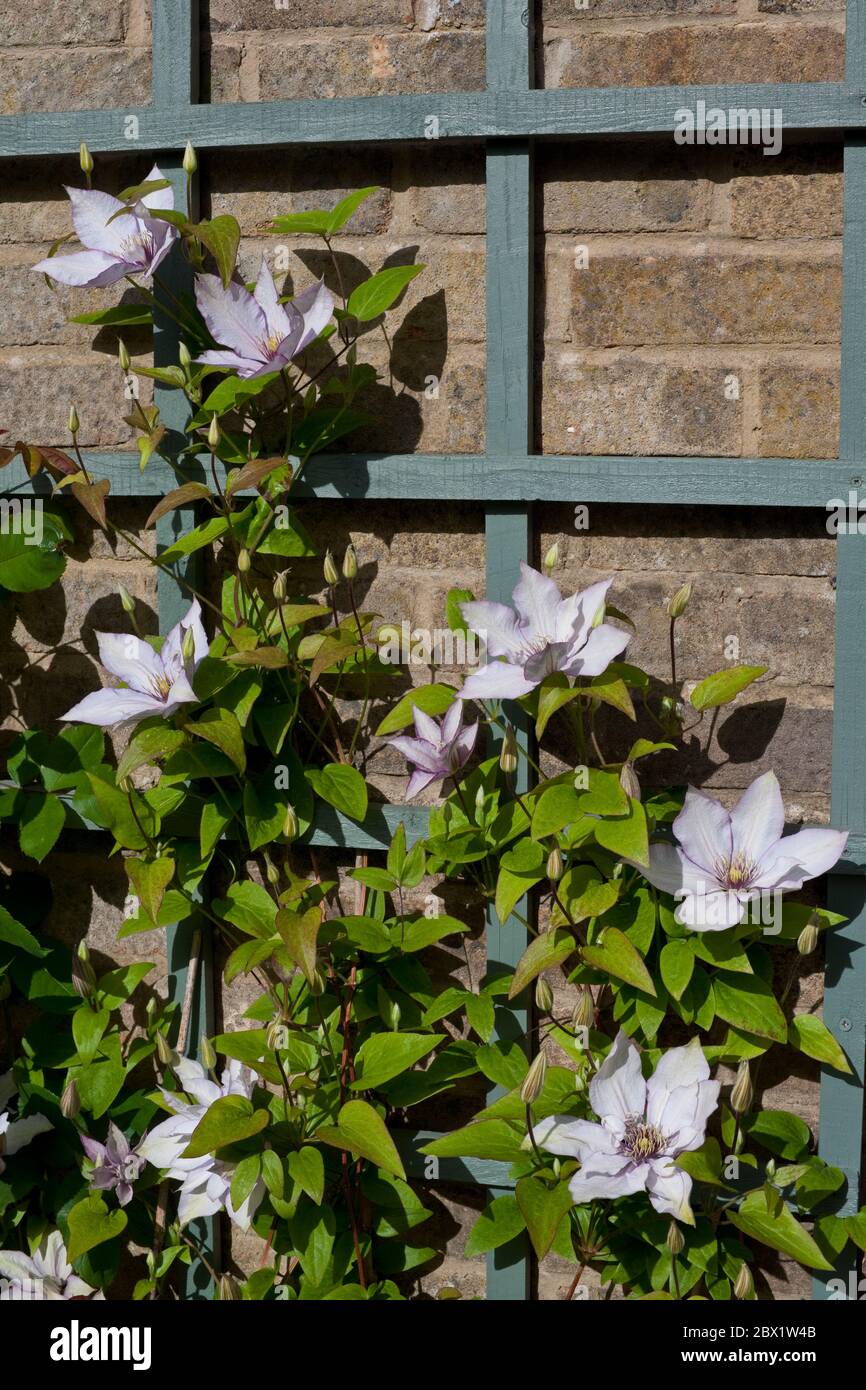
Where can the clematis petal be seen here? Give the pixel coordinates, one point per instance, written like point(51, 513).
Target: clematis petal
point(560, 1134)
point(711, 911)
point(196, 1082)
point(618, 1089)
point(452, 723)
point(242, 1216)
point(161, 198)
point(671, 872)
point(419, 780)
point(537, 599)
point(316, 307)
point(171, 655)
point(703, 828)
point(463, 745)
point(796, 858)
point(603, 645)
point(14, 1265)
point(233, 316)
point(193, 1205)
point(758, 819)
point(20, 1132)
point(575, 614)
point(678, 1067)
point(129, 659)
point(616, 1176)
point(686, 1115)
point(244, 366)
point(279, 325)
point(669, 1190)
point(498, 681)
point(91, 217)
point(91, 268)
point(420, 754)
point(110, 708)
point(498, 626)
point(426, 727)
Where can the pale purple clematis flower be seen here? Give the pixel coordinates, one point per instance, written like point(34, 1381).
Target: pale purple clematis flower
point(14, 1134)
point(644, 1126)
point(726, 860)
point(117, 1164)
point(547, 633)
point(155, 682)
point(262, 334)
point(45, 1274)
point(206, 1182)
point(133, 244)
point(439, 751)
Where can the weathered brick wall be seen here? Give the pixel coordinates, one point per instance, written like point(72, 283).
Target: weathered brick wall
point(688, 302)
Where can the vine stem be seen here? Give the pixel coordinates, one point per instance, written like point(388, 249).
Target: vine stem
point(572, 1289)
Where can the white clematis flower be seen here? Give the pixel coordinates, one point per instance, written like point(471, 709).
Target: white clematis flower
point(644, 1126)
point(205, 1182)
point(725, 860)
point(46, 1274)
point(14, 1134)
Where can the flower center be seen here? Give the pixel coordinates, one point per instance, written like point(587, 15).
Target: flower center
point(735, 873)
point(640, 1140)
point(138, 249)
point(161, 686)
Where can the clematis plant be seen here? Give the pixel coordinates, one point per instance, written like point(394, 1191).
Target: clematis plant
point(116, 1165)
point(726, 861)
point(47, 1273)
point(117, 241)
point(542, 634)
point(439, 749)
point(154, 682)
point(259, 334)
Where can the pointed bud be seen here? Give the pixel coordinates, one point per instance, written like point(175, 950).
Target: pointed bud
point(599, 617)
point(74, 422)
point(350, 563)
point(123, 356)
point(680, 601)
point(213, 434)
point(675, 1242)
point(543, 995)
point(628, 780)
point(85, 159)
point(272, 871)
point(551, 559)
point(151, 1007)
point(187, 646)
point(280, 587)
point(244, 561)
point(290, 823)
point(584, 1009)
point(229, 1289)
point(207, 1054)
point(330, 570)
point(165, 1052)
point(317, 983)
point(555, 866)
point(744, 1284)
point(533, 1083)
point(508, 753)
point(479, 799)
point(742, 1094)
point(190, 162)
point(83, 974)
point(127, 602)
point(809, 937)
point(184, 356)
point(276, 1035)
point(70, 1101)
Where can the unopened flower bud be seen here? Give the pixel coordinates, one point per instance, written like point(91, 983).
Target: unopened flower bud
point(479, 799)
point(584, 1009)
point(123, 357)
point(543, 995)
point(276, 1035)
point(85, 159)
point(533, 1083)
point(165, 1052)
point(273, 873)
point(317, 983)
point(190, 162)
point(744, 1284)
point(350, 563)
point(551, 559)
point(290, 823)
point(742, 1094)
point(244, 561)
point(809, 937)
point(555, 865)
point(229, 1289)
point(83, 974)
point(280, 587)
point(74, 422)
point(184, 356)
point(675, 1242)
point(508, 753)
point(207, 1053)
point(127, 602)
point(330, 570)
point(213, 434)
point(70, 1101)
point(628, 780)
point(680, 601)
point(187, 646)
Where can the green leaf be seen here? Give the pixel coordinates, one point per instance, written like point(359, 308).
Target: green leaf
point(244, 1178)
point(556, 808)
point(553, 693)
point(503, 1063)
point(221, 236)
point(544, 952)
point(492, 1138)
point(626, 835)
point(221, 728)
point(542, 1207)
point(520, 869)
point(724, 686)
point(432, 699)
point(385, 1055)
point(99, 1084)
point(500, 1221)
point(91, 1224)
point(150, 878)
point(227, 1121)
point(704, 1164)
point(307, 1168)
point(480, 1012)
point(611, 691)
point(120, 316)
point(779, 1131)
point(30, 558)
point(453, 616)
point(14, 933)
point(41, 822)
point(677, 961)
point(748, 1002)
point(146, 746)
point(616, 955)
point(418, 935)
point(346, 208)
point(88, 1030)
point(341, 786)
point(377, 294)
point(781, 1232)
point(362, 1130)
point(196, 539)
point(299, 933)
point(814, 1038)
point(264, 810)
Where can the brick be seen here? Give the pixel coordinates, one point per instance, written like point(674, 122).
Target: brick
point(34, 207)
point(437, 62)
point(82, 79)
point(799, 413)
point(635, 407)
point(221, 74)
point(643, 191)
point(92, 603)
point(279, 183)
point(801, 6)
point(705, 297)
point(413, 535)
point(57, 22)
point(35, 396)
point(445, 193)
point(233, 15)
point(449, 14)
point(453, 423)
point(696, 56)
point(32, 312)
point(799, 196)
point(563, 13)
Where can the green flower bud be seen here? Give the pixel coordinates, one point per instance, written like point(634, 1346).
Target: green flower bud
point(330, 570)
point(744, 1284)
point(809, 937)
point(742, 1094)
point(184, 356)
point(123, 356)
point(74, 422)
point(599, 617)
point(680, 601)
point(272, 871)
point(555, 866)
point(280, 587)
point(508, 753)
point(290, 823)
point(479, 799)
point(770, 1169)
point(675, 1242)
point(127, 602)
point(533, 1083)
point(629, 782)
point(317, 983)
point(213, 434)
point(187, 646)
point(244, 561)
point(207, 1054)
point(543, 995)
point(229, 1289)
point(70, 1101)
point(85, 159)
point(350, 563)
point(165, 1052)
point(190, 162)
point(83, 974)
point(551, 559)
point(276, 1034)
point(584, 1009)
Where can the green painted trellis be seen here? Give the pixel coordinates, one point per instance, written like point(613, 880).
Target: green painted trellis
point(508, 477)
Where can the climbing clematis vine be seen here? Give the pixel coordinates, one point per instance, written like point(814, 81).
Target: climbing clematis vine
point(439, 750)
point(134, 243)
point(155, 682)
point(14, 1134)
point(543, 633)
point(259, 334)
point(206, 1182)
point(726, 861)
point(45, 1274)
point(644, 1126)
